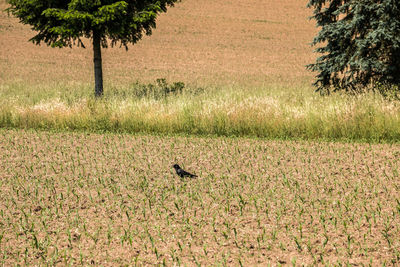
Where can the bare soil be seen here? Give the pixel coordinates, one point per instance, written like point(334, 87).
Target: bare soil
point(210, 42)
point(75, 198)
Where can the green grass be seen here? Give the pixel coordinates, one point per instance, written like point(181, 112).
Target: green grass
point(273, 111)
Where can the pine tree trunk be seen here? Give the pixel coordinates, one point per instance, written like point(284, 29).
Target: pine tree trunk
point(98, 71)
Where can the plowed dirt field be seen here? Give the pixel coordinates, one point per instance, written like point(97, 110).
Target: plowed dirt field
point(114, 199)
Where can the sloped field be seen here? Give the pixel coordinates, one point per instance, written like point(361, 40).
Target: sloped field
point(210, 42)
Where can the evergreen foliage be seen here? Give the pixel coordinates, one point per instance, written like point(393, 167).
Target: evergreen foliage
point(360, 44)
point(61, 23)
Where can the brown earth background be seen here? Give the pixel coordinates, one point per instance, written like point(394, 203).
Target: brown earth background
point(212, 42)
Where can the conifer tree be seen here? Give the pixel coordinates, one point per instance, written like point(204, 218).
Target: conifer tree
point(359, 42)
point(61, 23)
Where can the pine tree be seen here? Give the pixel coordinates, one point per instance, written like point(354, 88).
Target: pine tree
point(61, 23)
point(360, 44)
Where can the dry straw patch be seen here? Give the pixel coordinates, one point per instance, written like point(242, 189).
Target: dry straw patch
point(272, 114)
point(114, 200)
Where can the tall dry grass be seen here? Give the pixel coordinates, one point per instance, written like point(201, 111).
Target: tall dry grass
point(271, 112)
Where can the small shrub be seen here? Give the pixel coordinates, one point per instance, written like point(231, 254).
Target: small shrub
point(162, 89)
point(388, 91)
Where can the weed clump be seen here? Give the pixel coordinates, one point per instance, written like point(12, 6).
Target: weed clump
point(162, 89)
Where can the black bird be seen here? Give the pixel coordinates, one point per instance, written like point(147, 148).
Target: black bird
point(182, 173)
